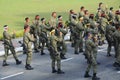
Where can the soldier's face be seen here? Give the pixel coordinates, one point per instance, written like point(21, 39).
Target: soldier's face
point(54, 15)
point(27, 20)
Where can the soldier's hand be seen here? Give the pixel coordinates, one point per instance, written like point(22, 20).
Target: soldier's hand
point(61, 34)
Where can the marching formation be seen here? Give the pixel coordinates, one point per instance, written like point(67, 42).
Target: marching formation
point(88, 31)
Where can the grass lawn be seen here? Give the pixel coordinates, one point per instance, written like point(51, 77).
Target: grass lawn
point(13, 12)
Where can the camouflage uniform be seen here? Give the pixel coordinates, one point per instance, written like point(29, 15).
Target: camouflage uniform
point(35, 27)
point(73, 23)
point(8, 45)
point(78, 37)
point(102, 27)
point(90, 46)
point(109, 32)
point(28, 39)
point(117, 48)
point(61, 45)
point(43, 36)
point(53, 22)
point(54, 54)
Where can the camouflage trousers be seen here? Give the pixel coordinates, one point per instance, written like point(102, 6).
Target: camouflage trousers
point(56, 58)
point(78, 45)
point(11, 48)
point(92, 64)
point(64, 47)
point(29, 57)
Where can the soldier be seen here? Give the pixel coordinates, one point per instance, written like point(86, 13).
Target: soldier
point(117, 16)
point(8, 45)
point(61, 45)
point(116, 38)
point(71, 18)
point(53, 20)
point(89, 47)
point(95, 40)
point(43, 35)
point(111, 14)
point(28, 39)
point(94, 27)
point(78, 36)
point(86, 17)
point(103, 9)
point(35, 27)
point(81, 13)
point(102, 27)
point(109, 32)
point(54, 54)
point(27, 22)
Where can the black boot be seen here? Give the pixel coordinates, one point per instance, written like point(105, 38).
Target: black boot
point(81, 50)
point(116, 64)
point(5, 63)
point(60, 71)
point(62, 56)
point(108, 55)
point(87, 75)
point(42, 53)
point(95, 77)
point(54, 70)
point(28, 67)
point(36, 50)
point(76, 52)
point(39, 47)
point(18, 62)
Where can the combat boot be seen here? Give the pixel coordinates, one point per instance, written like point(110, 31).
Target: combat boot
point(76, 52)
point(95, 77)
point(54, 70)
point(5, 63)
point(18, 62)
point(28, 67)
point(81, 50)
point(60, 71)
point(108, 54)
point(36, 50)
point(116, 64)
point(87, 75)
point(62, 56)
point(42, 53)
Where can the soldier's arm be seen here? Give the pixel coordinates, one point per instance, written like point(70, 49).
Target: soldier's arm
point(92, 44)
point(7, 36)
point(80, 27)
point(48, 28)
point(63, 31)
point(30, 37)
point(73, 22)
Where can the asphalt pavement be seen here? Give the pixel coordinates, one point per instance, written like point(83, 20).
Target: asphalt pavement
point(74, 67)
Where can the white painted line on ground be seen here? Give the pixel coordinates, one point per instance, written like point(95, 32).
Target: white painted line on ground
point(102, 49)
point(110, 52)
point(66, 59)
point(13, 75)
point(118, 72)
